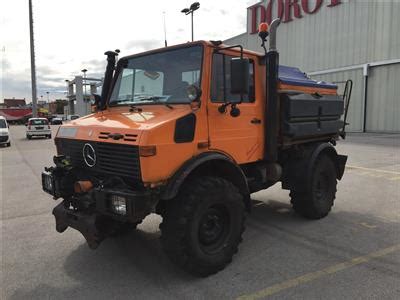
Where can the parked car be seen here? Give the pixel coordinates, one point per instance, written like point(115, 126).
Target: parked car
point(72, 117)
point(38, 127)
point(4, 132)
point(56, 121)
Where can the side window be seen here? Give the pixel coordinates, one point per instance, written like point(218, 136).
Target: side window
point(221, 82)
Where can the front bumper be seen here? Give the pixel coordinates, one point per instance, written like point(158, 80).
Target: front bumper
point(92, 213)
point(84, 223)
point(4, 139)
point(38, 132)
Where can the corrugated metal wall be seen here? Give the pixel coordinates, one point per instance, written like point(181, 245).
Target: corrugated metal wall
point(383, 99)
point(356, 108)
point(352, 33)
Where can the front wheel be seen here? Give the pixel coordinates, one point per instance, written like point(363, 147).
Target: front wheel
point(202, 227)
point(316, 200)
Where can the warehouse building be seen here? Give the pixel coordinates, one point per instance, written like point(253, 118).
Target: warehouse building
point(336, 40)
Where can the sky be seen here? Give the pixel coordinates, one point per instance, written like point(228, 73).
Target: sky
point(72, 35)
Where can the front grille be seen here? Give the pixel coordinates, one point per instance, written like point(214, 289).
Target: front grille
point(115, 159)
point(3, 138)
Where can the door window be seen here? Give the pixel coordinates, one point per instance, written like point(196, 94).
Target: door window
point(221, 82)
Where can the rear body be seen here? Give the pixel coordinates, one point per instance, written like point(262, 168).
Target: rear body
point(38, 127)
point(72, 117)
point(176, 134)
point(4, 132)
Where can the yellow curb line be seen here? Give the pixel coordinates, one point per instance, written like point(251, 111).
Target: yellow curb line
point(318, 274)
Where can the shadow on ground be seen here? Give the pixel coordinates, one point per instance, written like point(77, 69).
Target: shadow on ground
point(277, 243)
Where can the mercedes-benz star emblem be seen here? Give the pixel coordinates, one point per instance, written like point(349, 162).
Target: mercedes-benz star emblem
point(89, 155)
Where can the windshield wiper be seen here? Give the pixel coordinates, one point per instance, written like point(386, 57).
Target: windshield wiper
point(156, 99)
point(134, 108)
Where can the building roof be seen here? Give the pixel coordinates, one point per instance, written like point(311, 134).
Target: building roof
point(14, 102)
point(13, 114)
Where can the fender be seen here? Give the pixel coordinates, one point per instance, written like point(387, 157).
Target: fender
point(339, 160)
point(226, 168)
point(298, 172)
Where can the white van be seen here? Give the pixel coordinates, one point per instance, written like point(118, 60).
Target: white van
point(4, 132)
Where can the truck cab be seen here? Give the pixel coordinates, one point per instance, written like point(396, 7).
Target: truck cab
point(189, 132)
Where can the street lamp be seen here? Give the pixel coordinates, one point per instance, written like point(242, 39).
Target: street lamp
point(48, 101)
point(84, 83)
point(190, 10)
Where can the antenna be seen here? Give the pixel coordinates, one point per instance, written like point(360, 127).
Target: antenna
point(165, 30)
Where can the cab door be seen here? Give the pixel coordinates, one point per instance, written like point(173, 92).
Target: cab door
point(240, 137)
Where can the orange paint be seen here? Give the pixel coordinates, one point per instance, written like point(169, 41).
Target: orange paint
point(239, 138)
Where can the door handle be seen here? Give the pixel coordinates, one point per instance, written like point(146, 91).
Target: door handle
point(255, 121)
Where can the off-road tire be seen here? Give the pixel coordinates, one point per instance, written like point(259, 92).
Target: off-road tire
point(316, 200)
point(202, 227)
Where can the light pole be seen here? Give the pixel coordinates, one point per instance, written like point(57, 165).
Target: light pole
point(194, 6)
point(48, 101)
point(84, 84)
point(33, 67)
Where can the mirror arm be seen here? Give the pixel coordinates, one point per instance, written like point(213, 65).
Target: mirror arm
point(216, 50)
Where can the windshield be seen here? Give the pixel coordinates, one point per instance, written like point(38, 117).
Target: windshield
point(158, 78)
point(3, 123)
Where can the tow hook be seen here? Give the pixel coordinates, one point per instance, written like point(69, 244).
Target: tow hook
point(83, 186)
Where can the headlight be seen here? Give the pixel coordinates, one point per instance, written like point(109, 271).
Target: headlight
point(118, 204)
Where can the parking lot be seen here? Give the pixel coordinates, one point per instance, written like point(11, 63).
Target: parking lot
point(354, 253)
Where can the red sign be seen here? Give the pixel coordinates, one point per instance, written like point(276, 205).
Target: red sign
point(286, 10)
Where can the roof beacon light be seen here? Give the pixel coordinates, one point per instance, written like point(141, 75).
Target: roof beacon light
point(263, 27)
point(263, 34)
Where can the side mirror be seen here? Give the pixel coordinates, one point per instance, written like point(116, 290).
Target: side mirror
point(240, 76)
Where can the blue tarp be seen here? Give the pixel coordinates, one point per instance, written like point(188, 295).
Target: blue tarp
point(293, 76)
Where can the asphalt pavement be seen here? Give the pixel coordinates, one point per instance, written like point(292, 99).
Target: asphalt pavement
point(354, 253)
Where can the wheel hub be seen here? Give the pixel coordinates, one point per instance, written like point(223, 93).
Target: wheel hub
point(213, 227)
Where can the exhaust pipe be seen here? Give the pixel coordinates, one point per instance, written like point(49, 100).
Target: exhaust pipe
point(108, 75)
point(272, 107)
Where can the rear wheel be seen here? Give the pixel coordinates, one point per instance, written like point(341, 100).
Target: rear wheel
point(203, 226)
point(316, 200)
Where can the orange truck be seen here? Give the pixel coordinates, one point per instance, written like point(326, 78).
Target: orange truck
point(189, 132)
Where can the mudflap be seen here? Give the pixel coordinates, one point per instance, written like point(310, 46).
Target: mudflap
point(341, 164)
point(86, 224)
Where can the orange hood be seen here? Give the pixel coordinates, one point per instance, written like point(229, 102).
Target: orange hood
point(120, 120)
